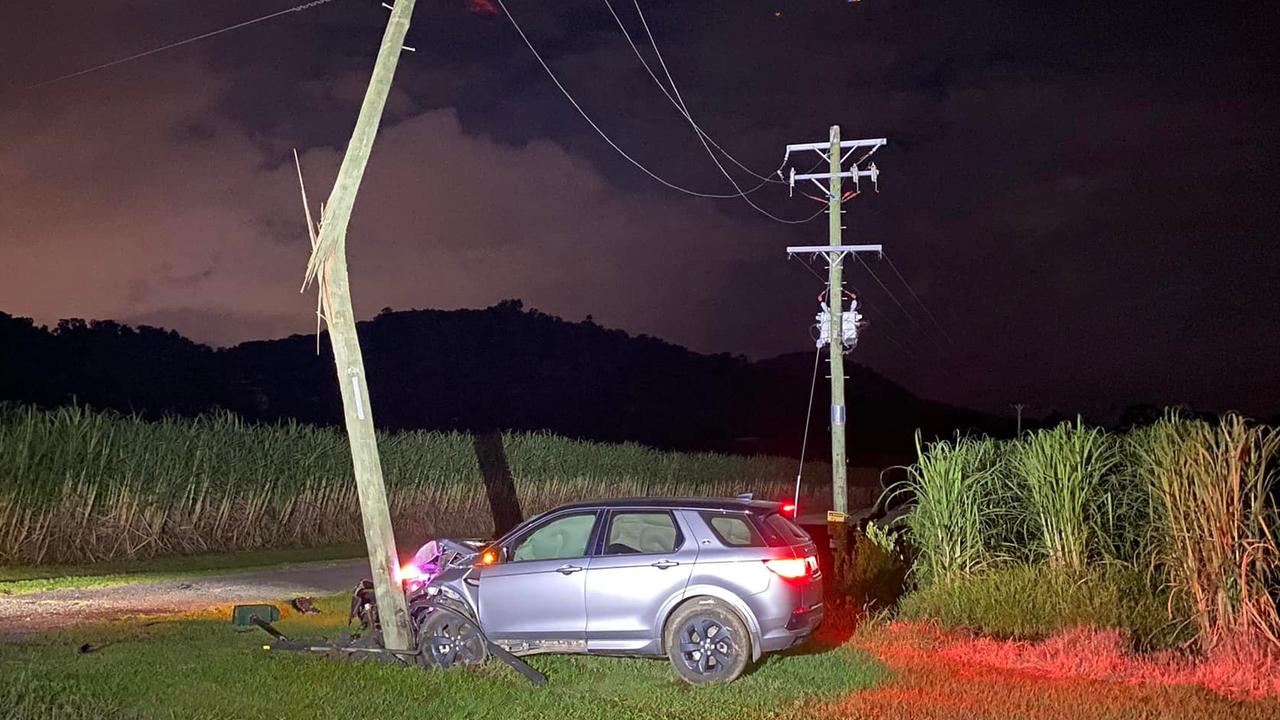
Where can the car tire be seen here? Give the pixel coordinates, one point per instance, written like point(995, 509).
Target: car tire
point(446, 639)
point(707, 642)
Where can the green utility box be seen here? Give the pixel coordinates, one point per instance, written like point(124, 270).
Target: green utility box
point(240, 614)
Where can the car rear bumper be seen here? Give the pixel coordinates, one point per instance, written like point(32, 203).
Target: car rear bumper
point(790, 615)
point(802, 624)
point(806, 620)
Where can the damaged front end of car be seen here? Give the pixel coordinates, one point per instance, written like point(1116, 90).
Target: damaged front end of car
point(440, 562)
point(442, 607)
point(436, 574)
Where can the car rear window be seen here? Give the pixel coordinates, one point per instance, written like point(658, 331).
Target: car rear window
point(780, 531)
point(733, 530)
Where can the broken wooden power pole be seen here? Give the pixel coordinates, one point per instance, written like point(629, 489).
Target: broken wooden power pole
point(328, 263)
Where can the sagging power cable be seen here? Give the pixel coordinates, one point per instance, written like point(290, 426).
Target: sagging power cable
point(569, 96)
point(684, 110)
point(774, 177)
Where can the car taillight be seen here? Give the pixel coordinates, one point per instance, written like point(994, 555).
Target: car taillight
point(789, 568)
point(788, 509)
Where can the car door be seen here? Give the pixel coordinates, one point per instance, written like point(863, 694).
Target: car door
point(644, 564)
point(537, 589)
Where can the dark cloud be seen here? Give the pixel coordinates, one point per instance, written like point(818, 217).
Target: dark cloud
point(1081, 193)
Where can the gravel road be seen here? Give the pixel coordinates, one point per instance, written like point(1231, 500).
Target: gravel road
point(55, 609)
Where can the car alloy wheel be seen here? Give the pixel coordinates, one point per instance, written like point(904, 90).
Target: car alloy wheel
point(707, 642)
point(706, 646)
point(445, 640)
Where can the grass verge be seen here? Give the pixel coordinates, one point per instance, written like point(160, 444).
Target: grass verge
point(24, 580)
point(1031, 602)
point(200, 668)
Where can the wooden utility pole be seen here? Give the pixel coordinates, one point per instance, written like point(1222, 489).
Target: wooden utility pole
point(1019, 407)
point(840, 332)
point(328, 264)
point(837, 525)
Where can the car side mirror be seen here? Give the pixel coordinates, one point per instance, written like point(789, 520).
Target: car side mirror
point(491, 555)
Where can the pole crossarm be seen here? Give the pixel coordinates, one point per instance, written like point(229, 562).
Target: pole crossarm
point(823, 147)
point(829, 250)
point(845, 174)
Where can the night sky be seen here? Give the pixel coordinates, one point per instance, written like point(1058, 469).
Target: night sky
point(1084, 194)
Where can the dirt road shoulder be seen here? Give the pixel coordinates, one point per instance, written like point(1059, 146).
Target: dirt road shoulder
point(21, 615)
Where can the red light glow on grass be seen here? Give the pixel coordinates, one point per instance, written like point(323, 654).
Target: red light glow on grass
point(1083, 655)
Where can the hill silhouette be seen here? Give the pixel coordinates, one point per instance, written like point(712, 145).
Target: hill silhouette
point(499, 368)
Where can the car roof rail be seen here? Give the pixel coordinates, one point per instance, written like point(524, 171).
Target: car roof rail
point(746, 497)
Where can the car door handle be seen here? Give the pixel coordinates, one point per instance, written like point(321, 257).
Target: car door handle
point(664, 564)
point(568, 569)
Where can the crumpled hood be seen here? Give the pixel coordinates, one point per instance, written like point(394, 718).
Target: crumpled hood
point(439, 555)
point(443, 565)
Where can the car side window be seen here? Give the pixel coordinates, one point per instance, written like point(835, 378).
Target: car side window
point(733, 530)
point(564, 537)
point(642, 533)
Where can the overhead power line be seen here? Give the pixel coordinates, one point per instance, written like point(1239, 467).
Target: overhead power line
point(594, 126)
point(774, 177)
point(906, 345)
point(568, 96)
point(924, 307)
point(892, 296)
point(180, 43)
point(684, 110)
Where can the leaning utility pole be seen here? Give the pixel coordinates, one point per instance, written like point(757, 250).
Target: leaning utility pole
point(841, 333)
point(328, 265)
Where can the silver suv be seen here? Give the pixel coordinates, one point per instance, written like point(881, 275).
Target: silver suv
point(712, 584)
